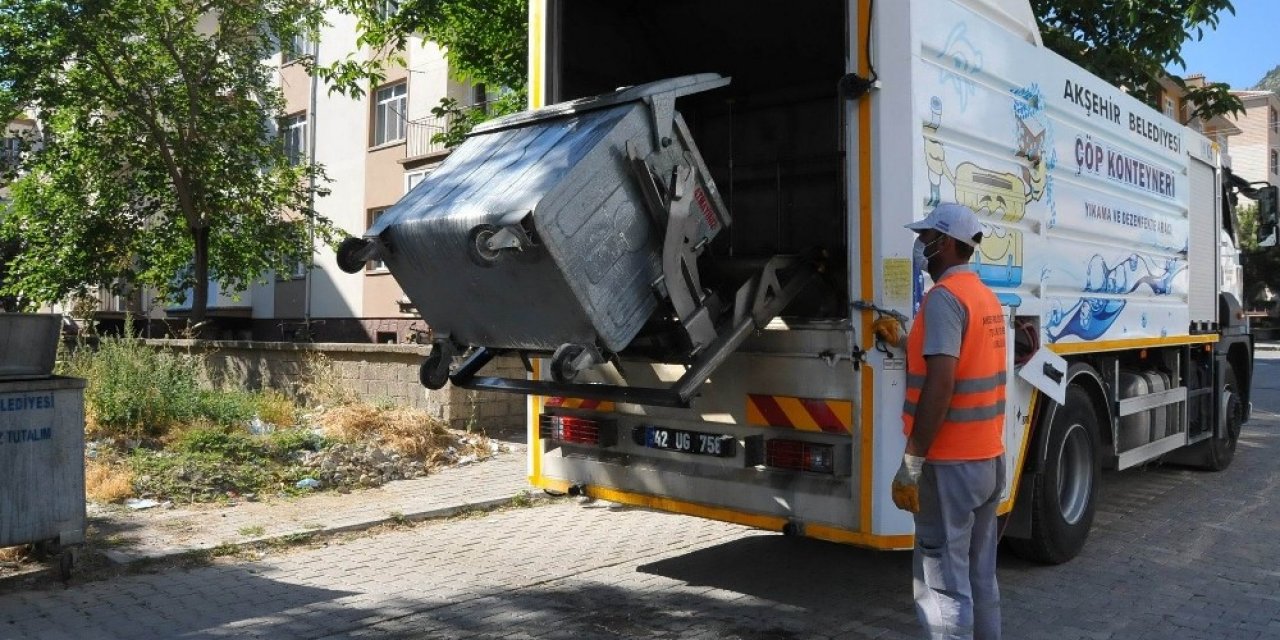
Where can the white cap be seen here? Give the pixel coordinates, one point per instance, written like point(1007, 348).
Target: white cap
point(955, 220)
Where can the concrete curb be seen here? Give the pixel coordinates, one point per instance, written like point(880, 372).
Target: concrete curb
point(120, 557)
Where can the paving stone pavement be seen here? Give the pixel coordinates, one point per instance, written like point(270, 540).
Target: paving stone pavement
point(155, 533)
point(1174, 554)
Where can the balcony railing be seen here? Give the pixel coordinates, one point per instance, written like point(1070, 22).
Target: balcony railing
point(420, 133)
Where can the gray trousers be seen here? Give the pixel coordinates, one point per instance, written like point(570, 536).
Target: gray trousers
point(954, 566)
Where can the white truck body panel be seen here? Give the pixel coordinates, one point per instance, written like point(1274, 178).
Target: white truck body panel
point(1102, 227)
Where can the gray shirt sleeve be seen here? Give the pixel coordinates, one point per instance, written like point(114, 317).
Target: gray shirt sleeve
point(944, 321)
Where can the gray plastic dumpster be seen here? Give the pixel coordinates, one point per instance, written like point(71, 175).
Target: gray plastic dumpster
point(42, 497)
point(564, 230)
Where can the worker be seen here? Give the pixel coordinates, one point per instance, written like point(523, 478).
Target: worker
point(952, 470)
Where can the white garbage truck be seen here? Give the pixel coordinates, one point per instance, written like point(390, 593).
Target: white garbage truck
point(688, 267)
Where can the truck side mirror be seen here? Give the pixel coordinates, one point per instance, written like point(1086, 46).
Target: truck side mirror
point(1268, 201)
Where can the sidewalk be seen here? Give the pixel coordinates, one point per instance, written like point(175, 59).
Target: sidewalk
point(157, 533)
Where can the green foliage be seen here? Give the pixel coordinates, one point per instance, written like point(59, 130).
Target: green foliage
point(205, 463)
point(231, 445)
point(138, 392)
point(485, 41)
point(285, 443)
point(1129, 43)
point(1261, 266)
point(207, 475)
point(159, 164)
point(1270, 82)
point(227, 407)
point(1247, 218)
point(135, 391)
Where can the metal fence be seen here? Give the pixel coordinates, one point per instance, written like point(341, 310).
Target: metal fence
point(421, 133)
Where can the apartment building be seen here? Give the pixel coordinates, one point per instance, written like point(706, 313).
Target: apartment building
point(1256, 151)
point(1174, 104)
point(19, 133)
point(374, 148)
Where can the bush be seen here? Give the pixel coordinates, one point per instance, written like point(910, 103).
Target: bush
point(135, 391)
point(226, 407)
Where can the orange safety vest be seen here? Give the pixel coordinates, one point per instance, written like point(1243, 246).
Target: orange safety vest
point(973, 428)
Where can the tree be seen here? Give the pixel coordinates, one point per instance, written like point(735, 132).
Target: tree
point(485, 42)
point(1129, 43)
point(159, 162)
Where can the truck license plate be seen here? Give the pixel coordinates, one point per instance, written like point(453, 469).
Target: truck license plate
point(707, 444)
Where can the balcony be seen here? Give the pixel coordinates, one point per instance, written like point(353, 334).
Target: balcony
point(420, 133)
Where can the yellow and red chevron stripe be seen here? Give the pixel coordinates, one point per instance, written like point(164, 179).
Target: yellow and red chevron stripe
point(579, 403)
point(805, 414)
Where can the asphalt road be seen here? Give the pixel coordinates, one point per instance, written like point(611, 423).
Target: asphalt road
point(1174, 553)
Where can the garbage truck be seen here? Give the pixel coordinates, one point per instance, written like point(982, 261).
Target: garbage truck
point(688, 266)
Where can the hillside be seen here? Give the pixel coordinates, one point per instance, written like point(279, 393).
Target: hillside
point(1269, 82)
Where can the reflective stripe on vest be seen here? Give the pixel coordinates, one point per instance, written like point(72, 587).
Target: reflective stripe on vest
point(973, 427)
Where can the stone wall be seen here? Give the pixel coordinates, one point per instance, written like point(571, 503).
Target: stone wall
point(376, 373)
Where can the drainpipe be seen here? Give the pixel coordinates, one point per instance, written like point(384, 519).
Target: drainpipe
point(311, 183)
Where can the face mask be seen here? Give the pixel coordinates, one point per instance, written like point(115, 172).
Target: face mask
point(919, 255)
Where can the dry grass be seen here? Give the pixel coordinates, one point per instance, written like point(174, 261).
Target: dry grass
point(105, 482)
point(275, 408)
point(322, 384)
point(13, 555)
point(410, 432)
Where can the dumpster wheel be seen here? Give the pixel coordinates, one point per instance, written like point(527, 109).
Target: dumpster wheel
point(348, 260)
point(434, 372)
point(563, 368)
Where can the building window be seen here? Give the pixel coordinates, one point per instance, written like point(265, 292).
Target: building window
point(1170, 109)
point(293, 130)
point(10, 151)
point(1275, 120)
point(387, 9)
point(412, 179)
point(1275, 161)
point(374, 214)
point(299, 46)
point(388, 114)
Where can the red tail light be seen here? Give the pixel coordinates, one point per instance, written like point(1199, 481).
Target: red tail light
point(800, 456)
point(569, 429)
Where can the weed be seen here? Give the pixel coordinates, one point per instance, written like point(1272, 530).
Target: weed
point(296, 538)
point(398, 519)
point(252, 531)
point(134, 391)
point(322, 383)
point(522, 499)
point(226, 407)
point(208, 476)
point(276, 408)
point(283, 445)
point(220, 442)
point(223, 550)
point(117, 540)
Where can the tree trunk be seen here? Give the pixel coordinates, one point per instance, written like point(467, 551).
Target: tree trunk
point(200, 292)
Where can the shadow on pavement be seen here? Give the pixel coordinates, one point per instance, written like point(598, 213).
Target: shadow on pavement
point(795, 571)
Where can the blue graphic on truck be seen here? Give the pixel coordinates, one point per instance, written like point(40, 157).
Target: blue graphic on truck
point(1091, 316)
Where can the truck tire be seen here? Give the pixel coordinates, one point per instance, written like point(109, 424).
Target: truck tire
point(1216, 453)
point(1065, 492)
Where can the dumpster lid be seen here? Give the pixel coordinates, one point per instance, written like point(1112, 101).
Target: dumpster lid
point(669, 88)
